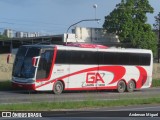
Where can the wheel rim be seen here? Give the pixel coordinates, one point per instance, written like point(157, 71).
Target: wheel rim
point(121, 86)
point(58, 88)
point(131, 85)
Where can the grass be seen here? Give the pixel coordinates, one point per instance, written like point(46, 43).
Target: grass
point(50, 106)
point(155, 83)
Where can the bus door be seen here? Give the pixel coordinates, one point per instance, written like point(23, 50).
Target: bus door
point(45, 64)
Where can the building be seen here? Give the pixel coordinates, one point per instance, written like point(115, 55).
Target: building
point(79, 34)
point(19, 34)
point(27, 34)
point(94, 35)
point(9, 33)
point(89, 35)
point(13, 34)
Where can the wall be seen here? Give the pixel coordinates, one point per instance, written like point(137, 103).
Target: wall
point(5, 69)
point(156, 70)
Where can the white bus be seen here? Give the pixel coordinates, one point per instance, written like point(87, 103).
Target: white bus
point(59, 68)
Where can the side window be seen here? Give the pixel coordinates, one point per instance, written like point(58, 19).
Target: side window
point(140, 59)
point(108, 58)
point(84, 57)
point(45, 64)
point(124, 58)
point(112, 58)
point(145, 59)
point(76, 57)
point(134, 59)
point(62, 57)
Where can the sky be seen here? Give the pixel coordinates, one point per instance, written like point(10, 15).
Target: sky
point(55, 16)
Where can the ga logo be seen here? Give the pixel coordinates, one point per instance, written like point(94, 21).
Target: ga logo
point(94, 78)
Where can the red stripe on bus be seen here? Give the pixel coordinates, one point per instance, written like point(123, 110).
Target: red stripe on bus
point(142, 78)
point(23, 86)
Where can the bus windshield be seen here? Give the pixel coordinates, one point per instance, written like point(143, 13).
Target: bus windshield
point(23, 63)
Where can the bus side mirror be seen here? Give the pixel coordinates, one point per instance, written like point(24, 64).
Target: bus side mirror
point(34, 61)
point(8, 58)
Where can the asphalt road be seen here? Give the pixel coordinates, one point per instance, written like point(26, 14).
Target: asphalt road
point(27, 97)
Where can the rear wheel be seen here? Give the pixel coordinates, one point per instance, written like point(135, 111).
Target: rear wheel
point(121, 86)
point(58, 87)
point(131, 86)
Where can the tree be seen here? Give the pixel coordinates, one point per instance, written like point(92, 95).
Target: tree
point(3, 36)
point(128, 21)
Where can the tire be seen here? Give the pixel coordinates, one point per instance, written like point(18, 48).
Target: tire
point(131, 86)
point(58, 87)
point(121, 86)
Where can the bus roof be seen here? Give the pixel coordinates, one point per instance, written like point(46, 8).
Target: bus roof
point(93, 48)
point(86, 45)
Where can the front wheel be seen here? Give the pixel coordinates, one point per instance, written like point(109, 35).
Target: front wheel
point(121, 86)
point(131, 86)
point(58, 87)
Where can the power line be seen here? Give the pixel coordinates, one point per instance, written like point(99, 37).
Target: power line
point(33, 22)
point(48, 28)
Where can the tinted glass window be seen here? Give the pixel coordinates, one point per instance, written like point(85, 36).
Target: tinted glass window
point(124, 58)
point(23, 62)
point(32, 52)
point(76, 57)
point(22, 51)
point(83, 57)
point(45, 64)
point(110, 58)
point(145, 59)
point(61, 57)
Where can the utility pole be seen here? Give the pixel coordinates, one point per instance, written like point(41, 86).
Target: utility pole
point(95, 7)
